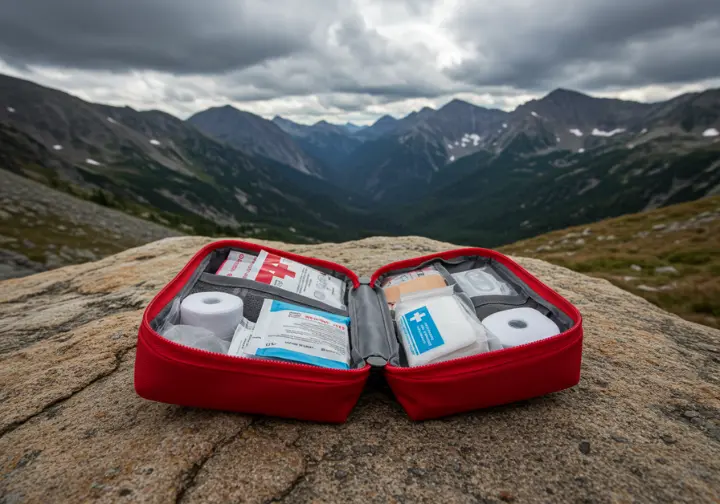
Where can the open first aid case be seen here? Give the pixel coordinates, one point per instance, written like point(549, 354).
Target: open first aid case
point(169, 372)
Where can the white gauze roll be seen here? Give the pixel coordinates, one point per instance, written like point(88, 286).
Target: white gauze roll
point(519, 326)
point(218, 312)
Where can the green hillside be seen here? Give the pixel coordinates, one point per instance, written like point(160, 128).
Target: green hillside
point(669, 256)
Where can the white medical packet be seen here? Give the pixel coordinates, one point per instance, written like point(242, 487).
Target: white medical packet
point(481, 282)
point(243, 341)
point(296, 333)
point(286, 274)
point(410, 275)
point(237, 264)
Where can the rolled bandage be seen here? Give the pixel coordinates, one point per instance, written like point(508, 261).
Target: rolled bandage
point(520, 326)
point(217, 312)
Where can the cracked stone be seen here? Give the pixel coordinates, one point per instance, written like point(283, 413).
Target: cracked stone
point(70, 392)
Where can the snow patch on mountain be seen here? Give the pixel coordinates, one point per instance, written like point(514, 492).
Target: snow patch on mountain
point(11, 110)
point(111, 120)
point(601, 133)
point(644, 130)
point(710, 132)
point(154, 142)
point(534, 114)
point(452, 158)
point(470, 137)
point(92, 162)
point(576, 132)
point(581, 150)
point(505, 125)
point(57, 147)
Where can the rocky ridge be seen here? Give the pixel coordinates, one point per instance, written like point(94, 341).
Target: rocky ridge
point(642, 425)
point(41, 228)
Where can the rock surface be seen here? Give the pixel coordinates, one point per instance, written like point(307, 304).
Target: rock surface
point(643, 425)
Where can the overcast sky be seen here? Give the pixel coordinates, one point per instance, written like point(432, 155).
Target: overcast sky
point(355, 60)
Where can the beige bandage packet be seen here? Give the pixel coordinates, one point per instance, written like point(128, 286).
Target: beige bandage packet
point(423, 283)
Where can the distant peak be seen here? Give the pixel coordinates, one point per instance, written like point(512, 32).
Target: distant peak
point(565, 93)
point(457, 105)
point(386, 119)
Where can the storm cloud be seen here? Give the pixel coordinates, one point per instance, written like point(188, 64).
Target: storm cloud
point(589, 44)
point(357, 59)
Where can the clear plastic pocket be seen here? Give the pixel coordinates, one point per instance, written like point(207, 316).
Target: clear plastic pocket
point(437, 325)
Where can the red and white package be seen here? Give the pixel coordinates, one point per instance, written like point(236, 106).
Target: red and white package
point(286, 274)
point(236, 265)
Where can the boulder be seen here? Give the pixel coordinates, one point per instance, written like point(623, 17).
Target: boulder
point(643, 424)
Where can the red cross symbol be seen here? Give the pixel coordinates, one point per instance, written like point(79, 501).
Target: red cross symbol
point(272, 267)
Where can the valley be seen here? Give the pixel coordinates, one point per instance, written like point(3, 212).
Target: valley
point(459, 173)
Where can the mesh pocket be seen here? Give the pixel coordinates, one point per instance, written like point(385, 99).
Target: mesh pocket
point(252, 299)
point(488, 309)
point(201, 286)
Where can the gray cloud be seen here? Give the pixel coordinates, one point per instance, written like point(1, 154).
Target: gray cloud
point(333, 56)
point(179, 36)
point(592, 44)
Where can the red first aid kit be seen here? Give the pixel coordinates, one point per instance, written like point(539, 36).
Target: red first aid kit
point(169, 372)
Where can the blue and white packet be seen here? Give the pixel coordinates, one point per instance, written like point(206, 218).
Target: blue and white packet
point(299, 334)
point(436, 325)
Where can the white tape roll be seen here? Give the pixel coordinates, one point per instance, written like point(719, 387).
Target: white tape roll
point(218, 312)
point(519, 326)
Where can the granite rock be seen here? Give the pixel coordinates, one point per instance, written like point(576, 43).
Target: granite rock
point(73, 430)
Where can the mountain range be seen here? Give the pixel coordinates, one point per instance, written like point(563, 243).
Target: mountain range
point(461, 172)
point(157, 166)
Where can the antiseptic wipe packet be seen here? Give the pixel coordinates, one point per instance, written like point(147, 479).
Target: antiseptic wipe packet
point(296, 333)
point(244, 339)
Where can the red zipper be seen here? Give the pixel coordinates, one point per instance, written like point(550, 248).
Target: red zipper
point(489, 355)
point(447, 255)
point(575, 315)
point(195, 262)
point(232, 359)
